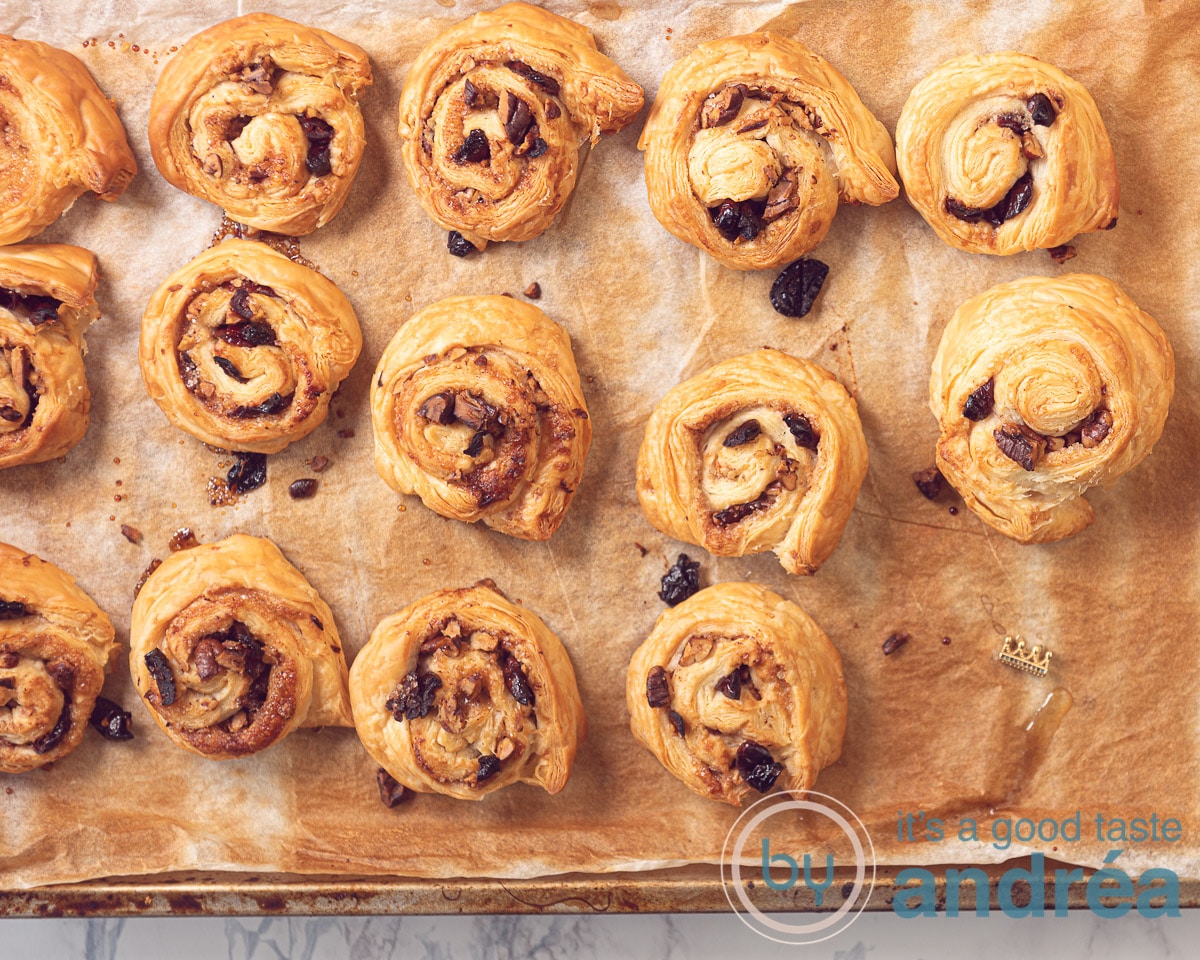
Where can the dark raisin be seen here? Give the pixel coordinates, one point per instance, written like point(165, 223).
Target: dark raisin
point(249, 472)
point(962, 211)
point(802, 430)
point(413, 698)
point(1012, 122)
point(476, 413)
point(230, 370)
point(681, 581)
point(894, 643)
point(11, 414)
point(1020, 444)
point(727, 217)
point(658, 688)
point(731, 685)
point(42, 309)
point(489, 766)
point(12, 610)
point(391, 791)
point(302, 489)
point(112, 722)
point(552, 110)
point(475, 447)
point(246, 334)
point(1041, 110)
point(795, 290)
point(757, 767)
point(272, 405)
point(470, 93)
point(63, 674)
point(318, 464)
point(979, 404)
point(1014, 202)
point(164, 678)
point(676, 722)
point(475, 149)
point(458, 245)
point(517, 682)
point(1111, 225)
point(539, 147)
point(320, 137)
point(1063, 252)
point(439, 408)
point(750, 221)
point(738, 512)
point(929, 482)
point(549, 84)
point(205, 656)
point(1095, 428)
point(239, 303)
point(49, 741)
point(517, 118)
point(746, 432)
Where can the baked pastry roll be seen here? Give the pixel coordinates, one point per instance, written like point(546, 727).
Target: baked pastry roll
point(493, 114)
point(243, 348)
point(259, 115)
point(61, 138)
point(1001, 153)
point(232, 650)
point(477, 408)
point(464, 692)
point(47, 301)
point(1043, 388)
point(761, 452)
point(752, 143)
point(737, 690)
point(55, 644)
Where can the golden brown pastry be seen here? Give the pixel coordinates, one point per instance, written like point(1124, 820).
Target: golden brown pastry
point(761, 452)
point(55, 644)
point(60, 138)
point(751, 145)
point(477, 409)
point(259, 115)
point(1000, 153)
point(737, 690)
point(493, 114)
point(464, 692)
point(47, 301)
point(243, 348)
point(1043, 388)
point(232, 650)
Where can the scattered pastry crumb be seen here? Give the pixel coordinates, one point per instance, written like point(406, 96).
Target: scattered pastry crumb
point(534, 291)
point(132, 534)
point(929, 482)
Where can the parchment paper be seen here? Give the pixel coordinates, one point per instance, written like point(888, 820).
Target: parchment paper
point(935, 727)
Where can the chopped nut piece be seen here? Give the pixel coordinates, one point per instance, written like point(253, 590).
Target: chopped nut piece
point(696, 650)
point(1063, 253)
point(894, 643)
point(1020, 444)
point(721, 107)
point(658, 689)
point(1095, 428)
point(782, 197)
point(979, 404)
point(132, 534)
point(534, 291)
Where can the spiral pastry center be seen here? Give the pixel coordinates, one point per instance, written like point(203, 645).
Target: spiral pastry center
point(1053, 386)
point(263, 132)
point(31, 700)
point(755, 463)
point(756, 157)
point(231, 356)
point(18, 163)
point(728, 692)
point(17, 395)
point(469, 704)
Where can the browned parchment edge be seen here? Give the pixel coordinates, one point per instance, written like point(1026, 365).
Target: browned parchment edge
point(693, 889)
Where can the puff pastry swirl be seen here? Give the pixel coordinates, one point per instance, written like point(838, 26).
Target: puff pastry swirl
point(752, 143)
point(47, 301)
point(1001, 153)
point(1043, 388)
point(761, 452)
point(243, 348)
point(736, 690)
point(477, 408)
point(464, 693)
point(494, 112)
point(232, 650)
point(55, 644)
point(260, 116)
point(61, 138)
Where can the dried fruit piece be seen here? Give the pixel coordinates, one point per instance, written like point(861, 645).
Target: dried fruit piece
point(391, 791)
point(517, 118)
point(802, 430)
point(12, 610)
point(676, 722)
point(413, 698)
point(549, 84)
point(757, 767)
point(249, 472)
point(929, 482)
point(979, 404)
point(302, 489)
point(795, 290)
point(489, 766)
point(681, 581)
point(112, 722)
point(458, 245)
point(1095, 428)
point(249, 334)
point(164, 678)
point(894, 643)
point(745, 432)
point(1041, 110)
point(517, 682)
point(1063, 253)
point(475, 149)
point(1020, 444)
point(49, 741)
point(658, 688)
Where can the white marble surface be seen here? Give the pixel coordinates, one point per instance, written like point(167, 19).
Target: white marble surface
point(872, 937)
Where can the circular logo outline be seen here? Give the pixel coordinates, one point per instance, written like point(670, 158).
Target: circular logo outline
point(732, 863)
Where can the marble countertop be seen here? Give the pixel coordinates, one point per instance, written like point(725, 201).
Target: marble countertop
point(663, 937)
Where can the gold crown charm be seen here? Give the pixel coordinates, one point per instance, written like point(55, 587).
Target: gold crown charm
point(1014, 654)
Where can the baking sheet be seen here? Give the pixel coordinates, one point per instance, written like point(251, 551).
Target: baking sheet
point(934, 727)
